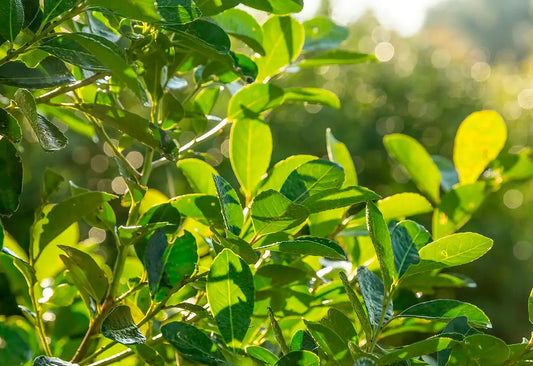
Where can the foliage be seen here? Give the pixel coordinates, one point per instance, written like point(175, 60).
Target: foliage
point(298, 266)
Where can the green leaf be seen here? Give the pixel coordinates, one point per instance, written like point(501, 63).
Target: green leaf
point(330, 342)
point(311, 95)
point(50, 72)
point(380, 236)
point(63, 295)
point(308, 245)
point(178, 11)
point(119, 326)
point(51, 361)
point(192, 343)
point(212, 7)
point(356, 305)
point(199, 174)
point(262, 354)
point(302, 340)
point(10, 178)
point(478, 141)
point(135, 126)
point(276, 6)
point(54, 8)
point(69, 50)
point(9, 127)
point(240, 247)
point(517, 166)
point(417, 162)
point(67, 212)
point(243, 26)
point(275, 275)
point(283, 39)
point(338, 322)
point(103, 218)
point(16, 350)
point(311, 178)
point(338, 153)
point(11, 18)
point(336, 198)
point(50, 138)
point(203, 37)
point(447, 310)
point(136, 9)
point(250, 150)
point(365, 361)
point(230, 293)
point(254, 99)
point(1, 235)
point(205, 100)
point(450, 251)
point(530, 307)
point(95, 277)
point(149, 355)
point(201, 207)
point(335, 57)
point(231, 205)
point(51, 184)
point(402, 205)
point(168, 264)
point(457, 207)
point(448, 174)
point(322, 33)
point(373, 291)
point(406, 237)
point(479, 350)
point(421, 348)
point(299, 358)
point(273, 212)
point(281, 171)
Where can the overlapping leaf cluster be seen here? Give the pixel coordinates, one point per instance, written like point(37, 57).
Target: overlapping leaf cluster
point(297, 265)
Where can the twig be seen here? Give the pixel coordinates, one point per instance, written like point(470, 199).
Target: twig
point(68, 88)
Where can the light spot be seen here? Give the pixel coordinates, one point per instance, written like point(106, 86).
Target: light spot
point(118, 185)
point(513, 198)
point(384, 51)
point(49, 316)
point(99, 163)
point(440, 58)
point(525, 99)
point(522, 250)
point(480, 71)
point(96, 234)
point(135, 158)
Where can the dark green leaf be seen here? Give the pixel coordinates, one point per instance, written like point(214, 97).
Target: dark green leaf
point(421, 348)
point(276, 6)
point(130, 235)
point(9, 127)
point(212, 7)
point(338, 153)
point(273, 212)
point(252, 100)
point(135, 126)
point(69, 50)
point(322, 33)
point(149, 355)
point(192, 343)
point(203, 37)
point(373, 291)
point(230, 293)
point(303, 341)
point(1, 235)
point(416, 160)
point(16, 350)
point(51, 184)
point(312, 96)
point(335, 57)
point(311, 178)
point(54, 8)
point(299, 358)
point(243, 26)
point(94, 275)
point(67, 212)
point(10, 178)
point(281, 171)
point(11, 18)
point(119, 326)
point(448, 174)
point(262, 354)
point(457, 207)
point(447, 310)
point(336, 198)
point(309, 245)
point(517, 166)
point(275, 275)
point(168, 264)
point(356, 305)
point(331, 343)
point(136, 9)
point(51, 361)
point(178, 11)
point(230, 204)
point(407, 237)
point(379, 234)
point(479, 350)
point(250, 150)
point(50, 72)
point(283, 39)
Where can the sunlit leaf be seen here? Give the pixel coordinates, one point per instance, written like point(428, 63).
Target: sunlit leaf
point(303, 341)
point(330, 342)
point(402, 205)
point(252, 100)
point(312, 96)
point(178, 11)
point(119, 326)
point(231, 205)
point(136, 9)
point(279, 173)
point(299, 358)
point(421, 348)
point(199, 174)
point(338, 322)
point(335, 57)
point(243, 26)
point(262, 354)
point(479, 350)
point(338, 153)
point(201, 207)
point(322, 33)
point(309, 245)
point(333, 198)
point(212, 7)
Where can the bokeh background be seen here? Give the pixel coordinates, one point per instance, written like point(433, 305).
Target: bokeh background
point(440, 61)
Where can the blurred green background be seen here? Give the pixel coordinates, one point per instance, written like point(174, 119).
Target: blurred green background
point(467, 56)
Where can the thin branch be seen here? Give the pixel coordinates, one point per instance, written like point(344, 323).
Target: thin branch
point(68, 88)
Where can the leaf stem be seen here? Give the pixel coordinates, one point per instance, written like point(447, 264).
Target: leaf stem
point(68, 88)
point(39, 321)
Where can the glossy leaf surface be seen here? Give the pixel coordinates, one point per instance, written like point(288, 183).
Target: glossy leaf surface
point(373, 291)
point(119, 326)
point(309, 245)
point(230, 204)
